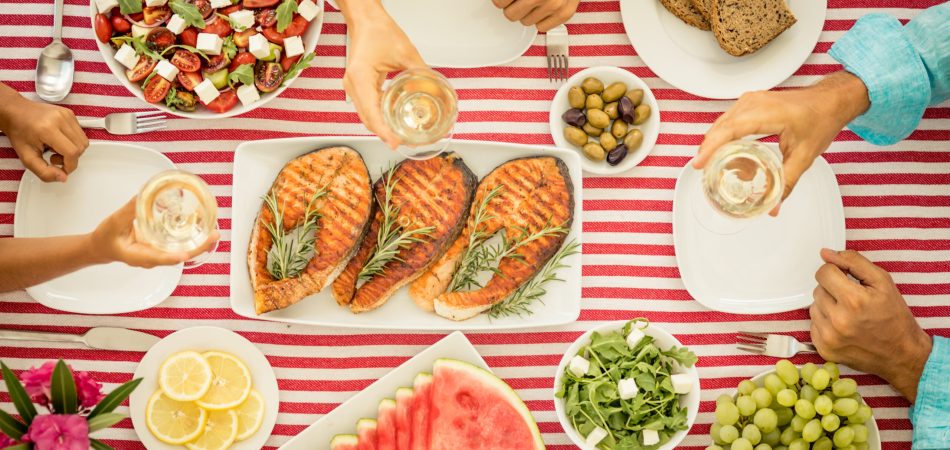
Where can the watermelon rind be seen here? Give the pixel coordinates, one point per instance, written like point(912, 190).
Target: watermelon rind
point(341, 440)
point(365, 423)
point(422, 378)
point(503, 388)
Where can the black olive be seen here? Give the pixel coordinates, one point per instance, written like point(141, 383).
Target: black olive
point(625, 110)
point(574, 117)
point(616, 155)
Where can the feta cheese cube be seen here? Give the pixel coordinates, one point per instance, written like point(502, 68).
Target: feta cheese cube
point(209, 43)
point(206, 91)
point(628, 388)
point(293, 46)
point(220, 3)
point(308, 10)
point(176, 24)
point(682, 383)
point(244, 18)
point(155, 2)
point(248, 94)
point(650, 437)
point(166, 70)
point(138, 31)
point(578, 366)
point(258, 46)
point(104, 6)
point(635, 336)
point(126, 56)
point(595, 436)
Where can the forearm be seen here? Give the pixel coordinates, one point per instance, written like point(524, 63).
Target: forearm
point(9, 100)
point(358, 12)
point(26, 262)
point(844, 95)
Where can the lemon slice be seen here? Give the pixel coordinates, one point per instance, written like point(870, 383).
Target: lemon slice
point(250, 415)
point(174, 422)
point(230, 383)
point(219, 433)
point(185, 376)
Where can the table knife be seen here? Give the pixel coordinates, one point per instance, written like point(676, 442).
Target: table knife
point(104, 338)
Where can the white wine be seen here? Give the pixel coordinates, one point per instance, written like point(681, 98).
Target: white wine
point(175, 212)
point(421, 107)
point(744, 179)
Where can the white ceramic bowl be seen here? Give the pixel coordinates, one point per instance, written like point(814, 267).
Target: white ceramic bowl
point(663, 340)
point(607, 74)
point(310, 38)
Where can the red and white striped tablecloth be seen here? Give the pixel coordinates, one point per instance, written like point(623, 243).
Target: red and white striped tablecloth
point(897, 205)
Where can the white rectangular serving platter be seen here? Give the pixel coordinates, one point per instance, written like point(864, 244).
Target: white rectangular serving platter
point(257, 163)
point(365, 404)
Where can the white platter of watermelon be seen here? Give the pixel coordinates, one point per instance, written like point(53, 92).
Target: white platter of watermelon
point(458, 401)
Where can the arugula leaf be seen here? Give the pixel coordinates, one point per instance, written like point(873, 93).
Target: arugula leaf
point(285, 14)
point(187, 11)
point(298, 66)
point(244, 74)
point(130, 6)
point(189, 48)
point(139, 45)
point(228, 47)
point(149, 78)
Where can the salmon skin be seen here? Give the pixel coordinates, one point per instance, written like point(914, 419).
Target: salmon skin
point(345, 215)
point(435, 192)
point(535, 192)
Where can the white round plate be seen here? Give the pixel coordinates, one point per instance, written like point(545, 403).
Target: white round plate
point(607, 74)
point(202, 339)
point(310, 38)
point(691, 59)
point(663, 340)
point(109, 175)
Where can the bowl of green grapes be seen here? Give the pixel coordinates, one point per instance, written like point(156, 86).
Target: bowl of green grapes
point(792, 408)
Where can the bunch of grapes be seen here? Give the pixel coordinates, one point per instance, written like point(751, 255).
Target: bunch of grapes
point(794, 410)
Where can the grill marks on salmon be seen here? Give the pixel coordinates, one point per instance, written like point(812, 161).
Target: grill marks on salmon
point(536, 192)
point(345, 214)
point(436, 192)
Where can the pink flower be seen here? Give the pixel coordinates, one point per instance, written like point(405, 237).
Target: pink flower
point(6, 441)
point(37, 383)
point(59, 432)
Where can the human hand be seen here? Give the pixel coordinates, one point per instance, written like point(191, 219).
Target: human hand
point(33, 126)
point(866, 324)
point(114, 240)
point(545, 14)
point(805, 120)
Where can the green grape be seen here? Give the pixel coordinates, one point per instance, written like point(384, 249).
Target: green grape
point(822, 443)
point(844, 387)
point(860, 433)
point(808, 393)
point(773, 383)
point(746, 405)
point(787, 372)
point(846, 406)
point(812, 430)
point(724, 398)
point(766, 420)
point(772, 438)
point(804, 408)
point(798, 423)
point(830, 422)
point(727, 413)
point(846, 447)
point(781, 447)
point(833, 371)
point(807, 371)
point(820, 379)
point(762, 397)
point(798, 444)
point(752, 434)
point(786, 397)
point(862, 416)
point(741, 444)
point(729, 433)
point(861, 446)
point(784, 416)
point(788, 435)
point(714, 447)
point(714, 431)
point(746, 387)
point(843, 437)
point(823, 405)
point(763, 447)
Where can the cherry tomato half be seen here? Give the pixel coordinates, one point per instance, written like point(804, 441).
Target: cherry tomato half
point(219, 27)
point(224, 102)
point(186, 61)
point(268, 76)
point(119, 24)
point(260, 3)
point(287, 62)
point(141, 69)
point(297, 26)
point(156, 89)
point(159, 39)
point(230, 9)
point(156, 14)
point(216, 63)
point(189, 80)
point(137, 17)
point(241, 59)
point(265, 17)
point(189, 36)
point(103, 28)
point(204, 7)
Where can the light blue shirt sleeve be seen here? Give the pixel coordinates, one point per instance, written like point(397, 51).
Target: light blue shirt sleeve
point(931, 413)
point(905, 69)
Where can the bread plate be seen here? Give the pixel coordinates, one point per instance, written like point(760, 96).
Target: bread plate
point(692, 60)
point(257, 163)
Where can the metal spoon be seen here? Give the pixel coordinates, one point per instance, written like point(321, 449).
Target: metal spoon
point(55, 67)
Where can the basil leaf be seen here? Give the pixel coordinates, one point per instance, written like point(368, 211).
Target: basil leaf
point(244, 74)
point(285, 14)
point(298, 66)
point(130, 6)
point(189, 12)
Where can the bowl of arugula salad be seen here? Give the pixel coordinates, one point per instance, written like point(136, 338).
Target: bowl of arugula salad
point(207, 58)
point(627, 385)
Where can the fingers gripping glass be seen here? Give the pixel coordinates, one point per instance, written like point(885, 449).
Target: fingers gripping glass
point(420, 107)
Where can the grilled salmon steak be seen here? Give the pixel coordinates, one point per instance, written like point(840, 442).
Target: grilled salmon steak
point(433, 193)
point(535, 193)
point(344, 210)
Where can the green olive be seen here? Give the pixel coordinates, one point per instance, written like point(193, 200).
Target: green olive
point(635, 96)
point(611, 110)
point(633, 140)
point(576, 97)
point(619, 129)
point(594, 151)
point(575, 136)
point(591, 85)
point(613, 92)
point(592, 130)
point(594, 102)
point(598, 118)
point(608, 141)
point(641, 114)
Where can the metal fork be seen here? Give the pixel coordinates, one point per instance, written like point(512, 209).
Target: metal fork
point(557, 51)
point(127, 123)
point(776, 345)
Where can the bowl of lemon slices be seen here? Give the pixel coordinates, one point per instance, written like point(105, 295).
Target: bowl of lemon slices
point(204, 388)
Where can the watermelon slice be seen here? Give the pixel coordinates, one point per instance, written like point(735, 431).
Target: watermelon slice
point(386, 425)
point(366, 434)
point(421, 401)
point(473, 409)
point(344, 442)
point(403, 418)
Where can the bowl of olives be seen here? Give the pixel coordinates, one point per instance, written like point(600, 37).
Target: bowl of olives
point(609, 115)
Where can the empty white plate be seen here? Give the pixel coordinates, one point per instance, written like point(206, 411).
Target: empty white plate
point(109, 174)
point(767, 264)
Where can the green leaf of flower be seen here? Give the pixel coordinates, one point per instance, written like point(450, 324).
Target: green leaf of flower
point(63, 390)
point(19, 397)
point(104, 420)
point(10, 426)
point(115, 398)
point(99, 445)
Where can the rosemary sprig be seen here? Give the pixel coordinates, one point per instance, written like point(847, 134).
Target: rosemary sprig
point(391, 238)
point(473, 260)
point(518, 303)
point(291, 251)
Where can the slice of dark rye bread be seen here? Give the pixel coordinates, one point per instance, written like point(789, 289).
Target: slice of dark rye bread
point(702, 6)
point(688, 13)
point(745, 26)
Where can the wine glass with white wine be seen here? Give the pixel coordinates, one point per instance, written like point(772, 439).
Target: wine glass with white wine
point(420, 107)
point(176, 212)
